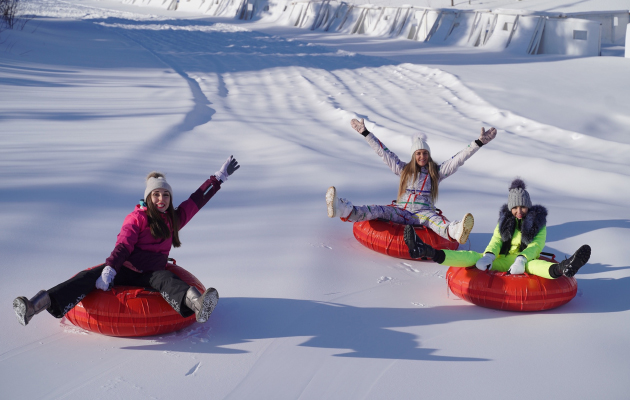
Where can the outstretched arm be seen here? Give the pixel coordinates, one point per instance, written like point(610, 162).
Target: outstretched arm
point(486, 136)
point(389, 157)
point(449, 167)
point(201, 196)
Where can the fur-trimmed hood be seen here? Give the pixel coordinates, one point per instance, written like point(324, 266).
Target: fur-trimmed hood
point(533, 222)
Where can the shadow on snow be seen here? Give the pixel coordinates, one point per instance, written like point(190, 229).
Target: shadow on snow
point(362, 332)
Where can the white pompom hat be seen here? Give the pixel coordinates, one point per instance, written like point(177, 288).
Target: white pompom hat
point(156, 180)
point(419, 142)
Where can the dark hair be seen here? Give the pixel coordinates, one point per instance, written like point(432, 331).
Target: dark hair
point(159, 228)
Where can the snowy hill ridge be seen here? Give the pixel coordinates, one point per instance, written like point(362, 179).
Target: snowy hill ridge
point(516, 31)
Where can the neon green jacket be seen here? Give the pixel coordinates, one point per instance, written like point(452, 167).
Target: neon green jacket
point(531, 252)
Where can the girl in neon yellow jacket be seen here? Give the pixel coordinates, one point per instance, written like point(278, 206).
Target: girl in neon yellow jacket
point(515, 246)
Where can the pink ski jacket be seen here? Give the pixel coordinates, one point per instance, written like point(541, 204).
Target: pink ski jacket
point(137, 249)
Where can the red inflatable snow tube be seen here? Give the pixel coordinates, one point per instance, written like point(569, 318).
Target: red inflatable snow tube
point(131, 311)
point(387, 237)
point(498, 290)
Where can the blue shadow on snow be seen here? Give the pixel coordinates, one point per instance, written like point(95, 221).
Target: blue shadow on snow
point(363, 332)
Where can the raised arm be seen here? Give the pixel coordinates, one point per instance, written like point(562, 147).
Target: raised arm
point(449, 167)
point(201, 196)
point(389, 157)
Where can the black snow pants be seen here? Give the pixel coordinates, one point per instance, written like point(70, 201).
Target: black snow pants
point(68, 294)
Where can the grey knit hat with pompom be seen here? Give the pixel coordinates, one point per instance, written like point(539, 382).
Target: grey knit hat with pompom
point(156, 180)
point(518, 195)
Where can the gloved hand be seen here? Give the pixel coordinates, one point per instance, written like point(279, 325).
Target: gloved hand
point(519, 266)
point(487, 135)
point(485, 262)
point(359, 126)
point(227, 169)
point(106, 279)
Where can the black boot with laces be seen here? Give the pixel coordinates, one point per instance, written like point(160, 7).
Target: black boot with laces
point(572, 265)
point(417, 248)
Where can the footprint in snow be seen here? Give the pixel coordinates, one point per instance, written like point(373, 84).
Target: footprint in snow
point(408, 267)
point(194, 369)
point(322, 245)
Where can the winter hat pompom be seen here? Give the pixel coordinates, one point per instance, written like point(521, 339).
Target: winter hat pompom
point(156, 180)
point(421, 135)
point(155, 174)
point(518, 195)
point(419, 142)
point(518, 183)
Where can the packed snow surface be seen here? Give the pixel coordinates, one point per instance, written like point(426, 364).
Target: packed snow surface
point(96, 94)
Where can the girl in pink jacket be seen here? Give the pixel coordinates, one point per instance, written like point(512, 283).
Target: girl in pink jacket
point(140, 255)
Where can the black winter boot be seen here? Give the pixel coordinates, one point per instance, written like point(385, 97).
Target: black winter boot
point(202, 304)
point(25, 309)
point(571, 265)
point(417, 248)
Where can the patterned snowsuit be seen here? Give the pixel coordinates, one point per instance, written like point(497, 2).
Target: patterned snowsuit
point(511, 238)
point(415, 206)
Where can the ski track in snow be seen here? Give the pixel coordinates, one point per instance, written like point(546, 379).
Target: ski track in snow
point(422, 85)
point(190, 49)
point(330, 92)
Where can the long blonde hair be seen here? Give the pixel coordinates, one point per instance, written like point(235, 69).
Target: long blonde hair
point(411, 171)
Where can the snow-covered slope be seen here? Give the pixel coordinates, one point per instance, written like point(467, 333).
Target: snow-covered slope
point(97, 94)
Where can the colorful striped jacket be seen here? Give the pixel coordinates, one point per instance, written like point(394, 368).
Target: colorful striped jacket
point(416, 197)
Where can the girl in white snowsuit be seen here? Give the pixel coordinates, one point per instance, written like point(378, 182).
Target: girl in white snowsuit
point(515, 246)
point(140, 255)
point(418, 189)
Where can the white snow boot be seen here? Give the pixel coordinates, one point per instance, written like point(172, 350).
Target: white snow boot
point(202, 304)
point(25, 309)
point(337, 207)
point(460, 230)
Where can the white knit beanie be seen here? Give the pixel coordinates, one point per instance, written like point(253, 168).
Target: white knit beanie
point(156, 180)
point(419, 142)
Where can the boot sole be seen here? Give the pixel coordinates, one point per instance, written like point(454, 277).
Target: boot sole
point(579, 259)
point(210, 300)
point(467, 225)
point(19, 306)
point(330, 201)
